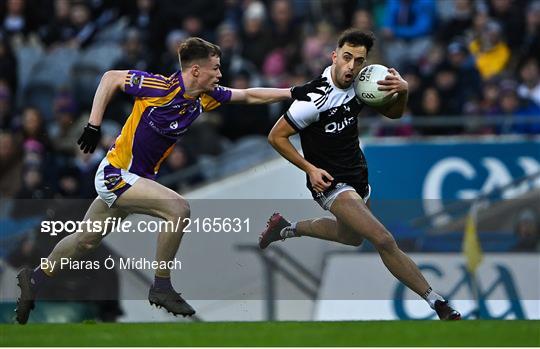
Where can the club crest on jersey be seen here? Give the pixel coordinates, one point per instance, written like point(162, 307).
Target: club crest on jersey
point(136, 80)
point(174, 125)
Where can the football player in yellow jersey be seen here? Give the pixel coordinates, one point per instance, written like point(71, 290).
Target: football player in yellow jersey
point(164, 108)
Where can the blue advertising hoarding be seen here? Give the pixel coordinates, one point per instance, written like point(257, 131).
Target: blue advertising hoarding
point(417, 178)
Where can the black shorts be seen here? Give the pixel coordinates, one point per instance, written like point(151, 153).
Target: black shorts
point(327, 198)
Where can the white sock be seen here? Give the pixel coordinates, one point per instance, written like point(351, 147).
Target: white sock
point(431, 296)
point(288, 232)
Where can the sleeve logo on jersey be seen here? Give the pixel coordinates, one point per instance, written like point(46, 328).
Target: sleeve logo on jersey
point(136, 80)
point(319, 102)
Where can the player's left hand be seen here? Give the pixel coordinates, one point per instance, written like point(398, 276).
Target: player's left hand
point(393, 83)
point(314, 86)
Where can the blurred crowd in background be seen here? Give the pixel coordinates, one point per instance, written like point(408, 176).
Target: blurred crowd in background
point(472, 68)
point(461, 58)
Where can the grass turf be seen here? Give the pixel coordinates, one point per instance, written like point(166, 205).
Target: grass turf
point(349, 333)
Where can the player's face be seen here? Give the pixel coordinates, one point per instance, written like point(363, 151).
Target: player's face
point(348, 61)
point(209, 73)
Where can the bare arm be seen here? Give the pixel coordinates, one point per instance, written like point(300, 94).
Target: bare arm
point(264, 95)
point(279, 139)
point(260, 95)
point(112, 81)
point(394, 84)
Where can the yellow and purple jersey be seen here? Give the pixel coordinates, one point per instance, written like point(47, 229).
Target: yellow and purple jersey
point(162, 112)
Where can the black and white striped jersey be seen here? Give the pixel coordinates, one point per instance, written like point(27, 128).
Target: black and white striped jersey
point(328, 128)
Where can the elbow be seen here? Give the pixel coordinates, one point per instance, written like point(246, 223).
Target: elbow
point(272, 139)
point(113, 78)
point(108, 76)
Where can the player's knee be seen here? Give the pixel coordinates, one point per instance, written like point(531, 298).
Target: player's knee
point(178, 208)
point(86, 245)
point(184, 210)
point(385, 242)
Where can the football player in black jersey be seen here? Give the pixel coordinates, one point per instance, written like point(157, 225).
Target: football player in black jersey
point(336, 169)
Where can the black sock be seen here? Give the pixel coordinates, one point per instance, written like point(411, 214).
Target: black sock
point(38, 277)
point(162, 283)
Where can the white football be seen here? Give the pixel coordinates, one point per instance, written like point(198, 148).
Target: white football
point(366, 87)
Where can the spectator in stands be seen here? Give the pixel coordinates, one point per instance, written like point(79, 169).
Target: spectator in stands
point(17, 18)
point(133, 52)
point(316, 48)
point(64, 132)
point(168, 62)
point(33, 129)
point(109, 131)
point(522, 116)
point(8, 64)
point(527, 231)
point(530, 81)
point(432, 59)
point(134, 56)
point(530, 45)
point(407, 30)
point(509, 14)
point(10, 165)
point(394, 128)
point(6, 115)
point(240, 119)
point(490, 97)
point(87, 165)
point(411, 74)
point(232, 61)
point(256, 39)
point(431, 108)
point(33, 186)
point(180, 159)
point(459, 22)
point(446, 82)
point(491, 53)
point(198, 18)
point(69, 185)
point(469, 81)
point(151, 23)
point(58, 30)
point(363, 20)
point(286, 35)
point(82, 29)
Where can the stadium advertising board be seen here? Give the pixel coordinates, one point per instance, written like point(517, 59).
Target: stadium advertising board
point(359, 287)
point(443, 171)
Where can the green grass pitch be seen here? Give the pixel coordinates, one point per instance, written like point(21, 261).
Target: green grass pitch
point(348, 333)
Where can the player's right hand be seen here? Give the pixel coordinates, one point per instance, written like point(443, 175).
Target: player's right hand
point(320, 179)
point(89, 138)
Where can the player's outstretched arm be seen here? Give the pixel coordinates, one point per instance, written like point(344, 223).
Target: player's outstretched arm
point(264, 95)
point(279, 139)
point(394, 84)
point(111, 81)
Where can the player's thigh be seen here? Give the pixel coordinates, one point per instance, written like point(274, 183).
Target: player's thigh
point(353, 214)
point(98, 212)
point(149, 197)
